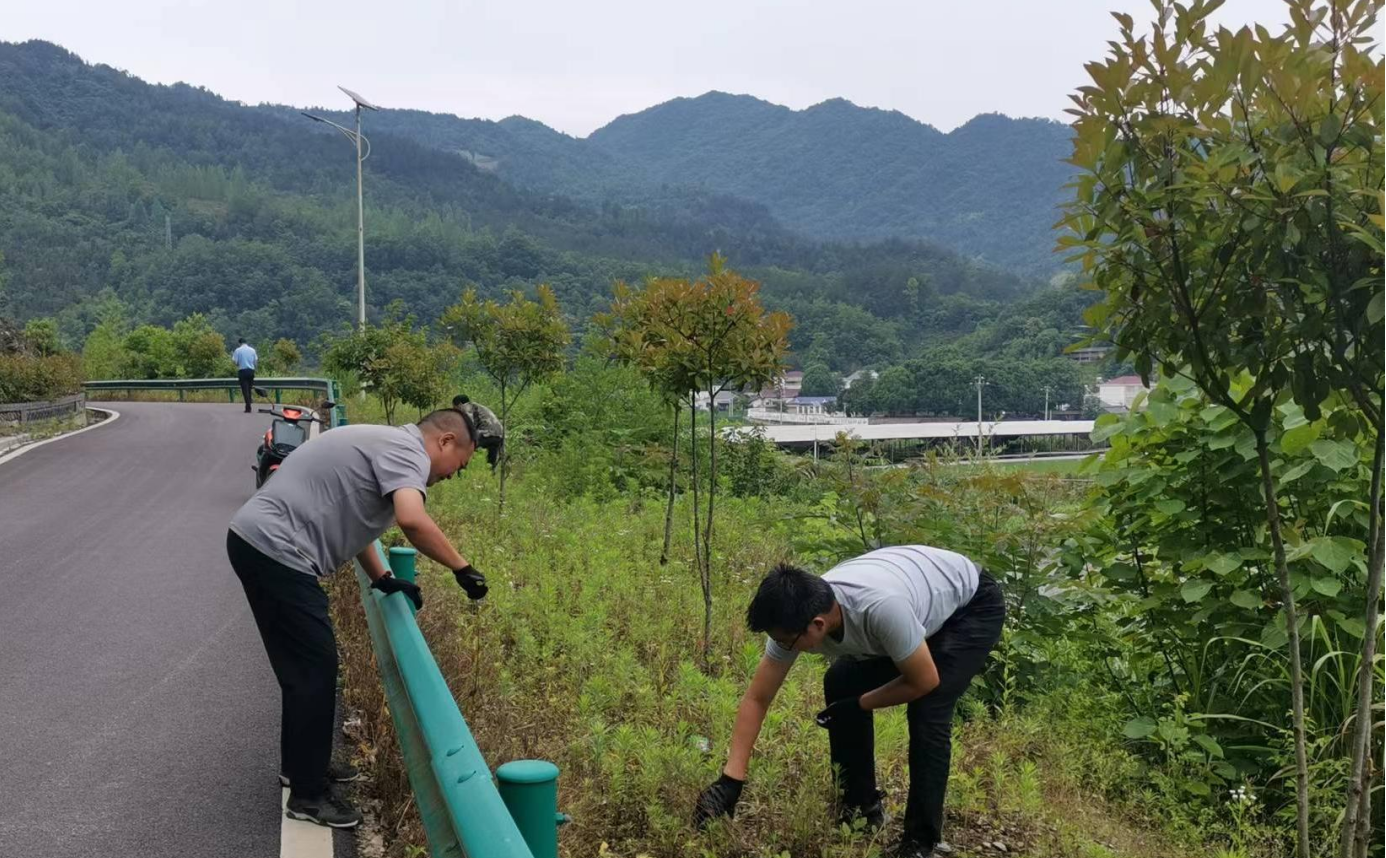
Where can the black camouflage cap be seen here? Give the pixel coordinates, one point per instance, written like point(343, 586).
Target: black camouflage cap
point(488, 433)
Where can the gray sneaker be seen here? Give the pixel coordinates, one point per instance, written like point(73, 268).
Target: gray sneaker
point(329, 809)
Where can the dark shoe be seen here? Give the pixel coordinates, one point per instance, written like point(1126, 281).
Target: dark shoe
point(341, 773)
point(873, 812)
point(330, 810)
point(912, 849)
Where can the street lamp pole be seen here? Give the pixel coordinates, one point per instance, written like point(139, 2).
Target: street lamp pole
point(357, 138)
point(979, 381)
point(360, 231)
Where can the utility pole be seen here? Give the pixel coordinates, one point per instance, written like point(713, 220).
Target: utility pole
point(979, 381)
point(357, 138)
point(1047, 388)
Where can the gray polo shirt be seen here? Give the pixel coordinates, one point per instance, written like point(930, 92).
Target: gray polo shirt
point(892, 600)
point(331, 497)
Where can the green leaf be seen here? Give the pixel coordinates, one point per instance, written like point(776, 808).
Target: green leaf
point(1354, 626)
point(1273, 634)
point(1107, 425)
point(1209, 744)
point(1139, 728)
point(1337, 455)
point(1335, 552)
point(1171, 506)
point(1298, 438)
point(1119, 571)
point(1329, 587)
point(1246, 599)
point(1328, 131)
point(1198, 788)
point(1376, 309)
point(1296, 472)
point(1223, 563)
point(1195, 589)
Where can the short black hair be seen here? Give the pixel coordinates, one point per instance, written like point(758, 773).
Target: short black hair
point(241, 340)
point(788, 599)
point(449, 420)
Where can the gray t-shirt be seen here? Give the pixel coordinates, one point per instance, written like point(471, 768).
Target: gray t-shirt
point(330, 498)
point(892, 600)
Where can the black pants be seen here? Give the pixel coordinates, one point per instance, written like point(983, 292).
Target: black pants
point(291, 612)
point(959, 649)
point(247, 380)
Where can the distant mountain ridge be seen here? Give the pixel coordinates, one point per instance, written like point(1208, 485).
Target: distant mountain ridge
point(989, 189)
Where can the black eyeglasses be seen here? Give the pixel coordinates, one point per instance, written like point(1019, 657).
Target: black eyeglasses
point(789, 646)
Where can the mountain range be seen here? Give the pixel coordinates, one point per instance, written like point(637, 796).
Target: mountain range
point(153, 202)
point(989, 189)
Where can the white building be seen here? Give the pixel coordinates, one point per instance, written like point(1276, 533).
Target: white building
point(1117, 394)
point(725, 398)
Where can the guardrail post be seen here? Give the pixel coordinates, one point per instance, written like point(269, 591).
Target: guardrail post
point(529, 789)
point(182, 395)
point(403, 563)
point(278, 396)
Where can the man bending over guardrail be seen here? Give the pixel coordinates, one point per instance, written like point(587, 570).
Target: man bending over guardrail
point(329, 502)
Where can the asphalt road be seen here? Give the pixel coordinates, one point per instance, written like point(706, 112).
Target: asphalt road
point(138, 713)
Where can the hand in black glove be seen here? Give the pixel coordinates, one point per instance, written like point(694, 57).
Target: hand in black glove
point(472, 581)
point(838, 709)
point(718, 800)
point(388, 584)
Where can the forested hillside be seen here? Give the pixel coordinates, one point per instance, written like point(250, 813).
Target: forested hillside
point(835, 171)
point(161, 201)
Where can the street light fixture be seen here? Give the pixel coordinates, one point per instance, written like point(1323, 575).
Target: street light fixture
point(356, 138)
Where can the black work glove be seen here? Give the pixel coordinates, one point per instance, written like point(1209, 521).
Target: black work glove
point(472, 581)
point(388, 584)
point(718, 800)
point(838, 709)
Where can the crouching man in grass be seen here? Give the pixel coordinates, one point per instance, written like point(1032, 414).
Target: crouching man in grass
point(907, 625)
point(329, 502)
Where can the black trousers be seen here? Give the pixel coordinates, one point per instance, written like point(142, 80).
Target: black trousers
point(959, 649)
point(247, 380)
point(291, 612)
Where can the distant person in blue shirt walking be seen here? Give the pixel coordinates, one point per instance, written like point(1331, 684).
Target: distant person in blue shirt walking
point(245, 358)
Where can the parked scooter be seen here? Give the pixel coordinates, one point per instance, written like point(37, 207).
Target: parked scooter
point(287, 433)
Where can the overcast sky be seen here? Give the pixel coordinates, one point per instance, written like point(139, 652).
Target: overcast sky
point(577, 64)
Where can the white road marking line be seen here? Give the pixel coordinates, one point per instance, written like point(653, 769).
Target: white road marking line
point(299, 839)
point(112, 416)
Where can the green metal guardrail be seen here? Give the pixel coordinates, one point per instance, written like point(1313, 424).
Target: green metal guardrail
point(327, 387)
point(465, 814)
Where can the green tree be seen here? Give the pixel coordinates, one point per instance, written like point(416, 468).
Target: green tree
point(151, 352)
point(517, 344)
point(894, 391)
point(1222, 173)
point(284, 357)
point(421, 371)
point(365, 353)
point(103, 353)
point(820, 381)
point(42, 337)
point(626, 333)
point(202, 350)
point(710, 335)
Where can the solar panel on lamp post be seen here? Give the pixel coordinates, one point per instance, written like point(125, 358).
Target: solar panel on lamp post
point(357, 138)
